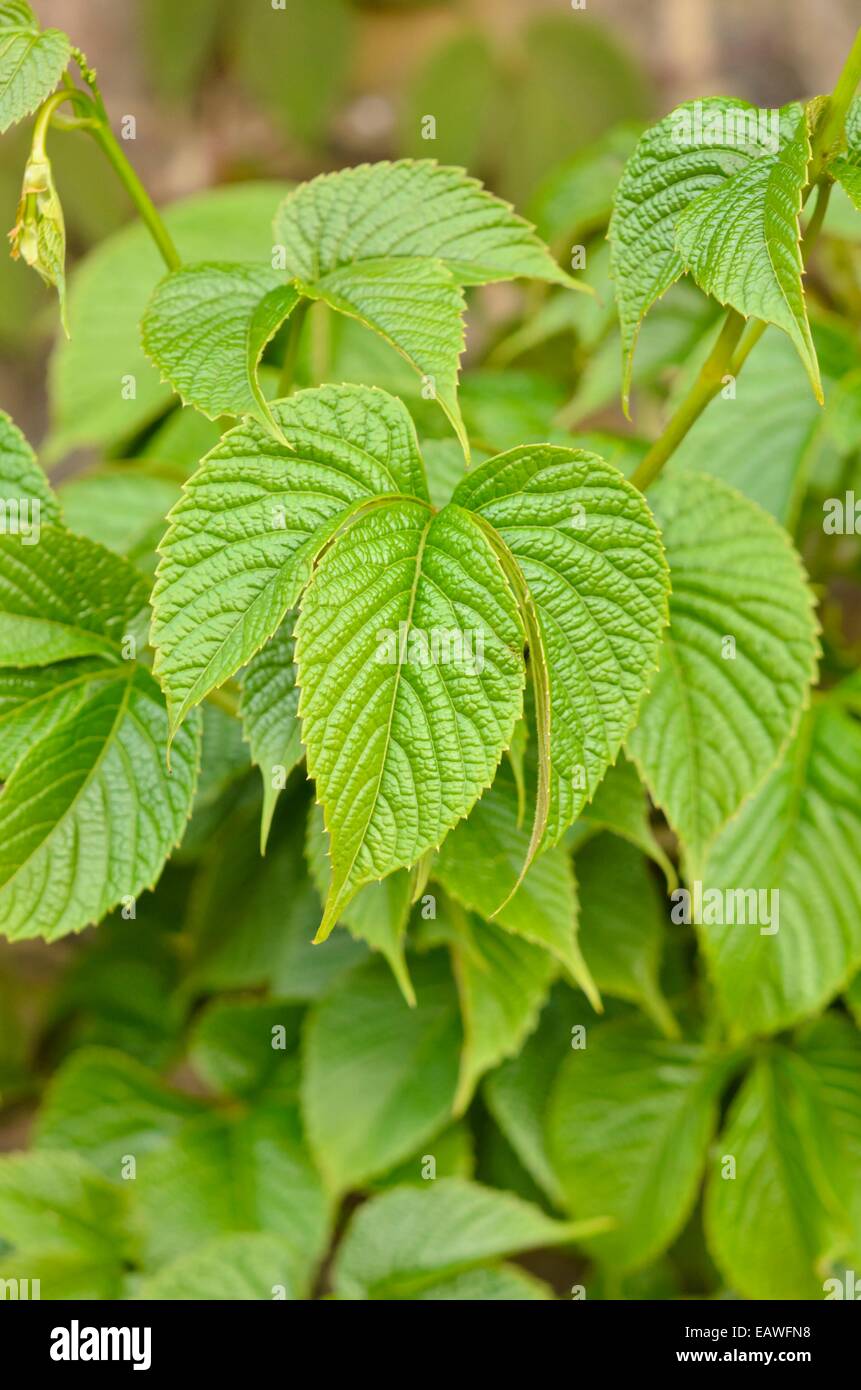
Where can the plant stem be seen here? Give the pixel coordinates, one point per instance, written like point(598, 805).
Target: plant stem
point(831, 127)
point(147, 210)
point(716, 366)
point(291, 351)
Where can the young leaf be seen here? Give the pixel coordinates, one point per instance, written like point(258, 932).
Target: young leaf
point(268, 708)
point(379, 1078)
point(65, 597)
point(90, 812)
point(32, 61)
point(502, 983)
point(205, 328)
point(741, 244)
point(39, 234)
point(405, 1241)
point(401, 741)
point(22, 481)
point(242, 539)
point(794, 845)
point(736, 663)
point(592, 563)
point(698, 147)
point(630, 1121)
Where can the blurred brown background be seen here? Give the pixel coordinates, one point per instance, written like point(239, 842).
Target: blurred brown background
point(226, 90)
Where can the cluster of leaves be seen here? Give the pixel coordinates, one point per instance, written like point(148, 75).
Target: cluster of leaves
point(479, 832)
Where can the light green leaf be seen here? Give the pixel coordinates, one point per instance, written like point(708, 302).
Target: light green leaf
point(479, 865)
point(489, 1283)
point(402, 1243)
point(592, 564)
point(66, 1224)
point(104, 1106)
point(577, 197)
point(379, 1078)
point(766, 1227)
point(32, 61)
point(227, 1175)
point(629, 1126)
point(243, 537)
point(451, 1151)
point(736, 663)
point(377, 915)
point(268, 708)
point(741, 244)
point(795, 846)
point(622, 922)
point(64, 597)
point(22, 482)
point(123, 507)
point(205, 329)
point(621, 805)
point(696, 148)
point(91, 812)
point(402, 732)
point(229, 1269)
point(103, 389)
point(502, 983)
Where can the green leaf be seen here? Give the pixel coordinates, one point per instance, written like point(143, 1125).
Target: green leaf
point(91, 812)
point(630, 1121)
point(403, 735)
point(741, 244)
point(621, 805)
point(698, 147)
point(224, 587)
point(229, 1175)
point(480, 863)
point(622, 925)
point(518, 1092)
point(390, 245)
point(22, 481)
point(592, 564)
point(268, 708)
point(377, 915)
point(205, 329)
point(502, 983)
point(379, 1078)
point(103, 389)
point(766, 1226)
point(577, 197)
point(763, 439)
point(794, 844)
point(105, 1106)
point(273, 47)
point(228, 1269)
point(123, 507)
point(736, 663)
point(33, 702)
point(66, 1225)
point(846, 167)
point(402, 1243)
point(240, 1047)
point(65, 597)
point(32, 61)
point(489, 1283)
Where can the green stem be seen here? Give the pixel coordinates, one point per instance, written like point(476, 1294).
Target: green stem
point(291, 351)
point(833, 120)
point(716, 366)
point(147, 210)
